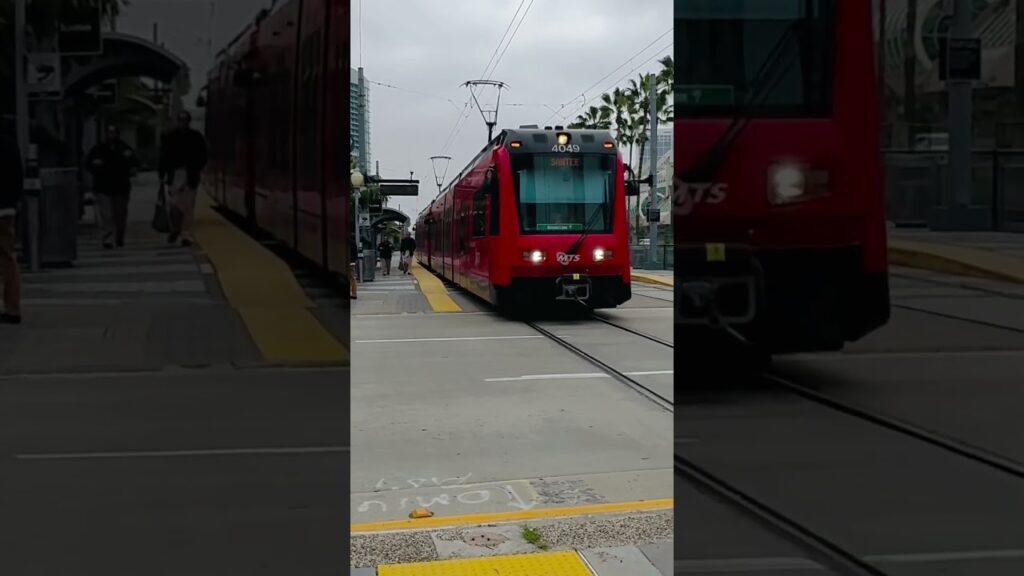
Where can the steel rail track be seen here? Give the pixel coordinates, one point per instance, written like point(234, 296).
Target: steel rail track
point(948, 444)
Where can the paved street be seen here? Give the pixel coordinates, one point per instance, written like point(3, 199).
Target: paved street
point(530, 434)
point(949, 363)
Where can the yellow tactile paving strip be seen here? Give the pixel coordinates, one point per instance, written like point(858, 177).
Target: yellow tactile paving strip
point(652, 279)
point(262, 288)
point(433, 289)
point(544, 564)
point(512, 516)
point(956, 260)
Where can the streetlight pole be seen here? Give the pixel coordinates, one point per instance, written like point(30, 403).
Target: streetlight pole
point(358, 180)
point(653, 196)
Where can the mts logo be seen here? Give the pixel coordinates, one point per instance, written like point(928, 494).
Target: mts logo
point(566, 259)
point(686, 195)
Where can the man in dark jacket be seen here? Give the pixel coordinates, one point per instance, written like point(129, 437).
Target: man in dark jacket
point(11, 189)
point(385, 250)
point(112, 164)
point(408, 247)
point(182, 159)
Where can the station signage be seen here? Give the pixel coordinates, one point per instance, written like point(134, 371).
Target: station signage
point(960, 59)
point(80, 31)
point(399, 188)
point(43, 76)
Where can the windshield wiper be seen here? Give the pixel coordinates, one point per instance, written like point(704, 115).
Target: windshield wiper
point(590, 223)
point(763, 84)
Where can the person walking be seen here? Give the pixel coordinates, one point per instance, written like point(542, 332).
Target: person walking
point(386, 250)
point(408, 248)
point(112, 164)
point(11, 189)
point(183, 157)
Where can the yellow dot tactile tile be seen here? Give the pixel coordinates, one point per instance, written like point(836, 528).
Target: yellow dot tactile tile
point(266, 295)
point(545, 564)
point(433, 289)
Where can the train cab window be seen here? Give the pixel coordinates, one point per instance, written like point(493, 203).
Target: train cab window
point(773, 55)
point(559, 193)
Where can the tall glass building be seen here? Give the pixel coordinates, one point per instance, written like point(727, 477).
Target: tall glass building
point(359, 100)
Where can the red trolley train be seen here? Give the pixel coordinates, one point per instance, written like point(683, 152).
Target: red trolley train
point(538, 216)
point(277, 123)
point(779, 216)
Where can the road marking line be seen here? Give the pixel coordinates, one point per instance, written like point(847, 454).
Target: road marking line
point(575, 376)
point(516, 516)
point(417, 315)
point(179, 453)
point(448, 339)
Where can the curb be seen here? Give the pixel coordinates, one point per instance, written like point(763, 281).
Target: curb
point(956, 261)
point(652, 280)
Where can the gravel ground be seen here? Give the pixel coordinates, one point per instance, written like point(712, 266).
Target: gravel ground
point(372, 550)
point(574, 534)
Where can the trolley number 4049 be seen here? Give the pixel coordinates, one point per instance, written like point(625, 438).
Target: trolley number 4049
point(565, 148)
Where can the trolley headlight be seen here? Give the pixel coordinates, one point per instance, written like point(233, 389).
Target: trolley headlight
point(600, 255)
point(534, 256)
point(788, 183)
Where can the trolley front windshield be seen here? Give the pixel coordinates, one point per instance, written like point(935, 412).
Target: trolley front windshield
point(723, 45)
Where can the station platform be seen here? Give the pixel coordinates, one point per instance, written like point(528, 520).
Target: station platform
point(988, 255)
point(180, 402)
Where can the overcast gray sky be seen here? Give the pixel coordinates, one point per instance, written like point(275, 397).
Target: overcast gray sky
point(561, 48)
point(184, 28)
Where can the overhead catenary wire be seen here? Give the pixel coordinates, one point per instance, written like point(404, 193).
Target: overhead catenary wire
point(659, 53)
point(462, 114)
point(421, 93)
point(613, 71)
point(503, 36)
point(513, 37)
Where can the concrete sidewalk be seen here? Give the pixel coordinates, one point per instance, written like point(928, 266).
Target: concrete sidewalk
point(990, 255)
point(147, 306)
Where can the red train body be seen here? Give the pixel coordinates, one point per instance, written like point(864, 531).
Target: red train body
point(779, 224)
point(510, 227)
point(277, 124)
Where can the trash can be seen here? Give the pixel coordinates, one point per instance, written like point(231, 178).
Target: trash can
point(58, 216)
point(369, 264)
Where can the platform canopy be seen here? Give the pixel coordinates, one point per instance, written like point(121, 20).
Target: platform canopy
point(390, 215)
point(123, 56)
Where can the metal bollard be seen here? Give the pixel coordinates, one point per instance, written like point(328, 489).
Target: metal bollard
point(33, 191)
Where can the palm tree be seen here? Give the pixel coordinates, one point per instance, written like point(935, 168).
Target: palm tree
point(616, 105)
point(593, 119)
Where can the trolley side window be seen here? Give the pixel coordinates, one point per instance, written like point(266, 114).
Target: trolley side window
point(563, 194)
point(766, 58)
point(480, 212)
point(493, 193)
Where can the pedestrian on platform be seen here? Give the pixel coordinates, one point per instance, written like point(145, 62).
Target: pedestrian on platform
point(182, 160)
point(408, 247)
point(11, 188)
point(112, 164)
point(386, 251)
